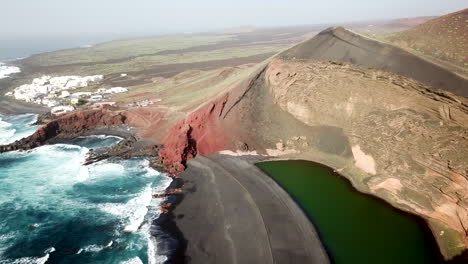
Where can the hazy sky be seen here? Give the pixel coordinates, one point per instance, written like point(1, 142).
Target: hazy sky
point(30, 18)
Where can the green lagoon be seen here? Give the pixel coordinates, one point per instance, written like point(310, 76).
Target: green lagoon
point(354, 227)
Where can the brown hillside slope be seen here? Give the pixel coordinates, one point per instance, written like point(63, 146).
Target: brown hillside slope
point(339, 44)
point(390, 135)
point(445, 38)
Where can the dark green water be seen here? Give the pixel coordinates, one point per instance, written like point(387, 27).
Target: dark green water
point(354, 227)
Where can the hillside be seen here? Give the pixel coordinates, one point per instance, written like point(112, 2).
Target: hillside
point(392, 136)
point(445, 38)
point(394, 124)
point(340, 45)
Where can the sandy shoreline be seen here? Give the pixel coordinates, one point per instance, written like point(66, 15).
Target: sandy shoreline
point(232, 212)
point(229, 211)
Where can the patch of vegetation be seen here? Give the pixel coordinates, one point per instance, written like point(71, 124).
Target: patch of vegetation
point(123, 49)
point(187, 89)
point(147, 62)
point(81, 102)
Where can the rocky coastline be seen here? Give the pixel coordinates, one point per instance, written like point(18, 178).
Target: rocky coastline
point(65, 128)
point(399, 138)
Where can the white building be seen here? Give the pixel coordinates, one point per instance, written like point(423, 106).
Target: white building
point(74, 101)
point(72, 84)
point(49, 102)
point(61, 109)
point(95, 98)
point(48, 87)
point(64, 94)
point(94, 78)
point(81, 94)
point(115, 90)
point(101, 90)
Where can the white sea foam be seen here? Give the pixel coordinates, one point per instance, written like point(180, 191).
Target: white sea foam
point(94, 248)
point(67, 146)
point(102, 137)
point(8, 236)
point(68, 160)
point(9, 134)
point(6, 71)
point(153, 257)
point(134, 211)
point(49, 182)
point(4, 124)
point(106, 168)
point(135, 260)
point(28, 260)
point(83, 174)
point(49, 250)
point(31, 260)
point(6, 131)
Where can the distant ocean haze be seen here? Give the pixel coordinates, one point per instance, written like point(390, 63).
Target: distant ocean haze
point(13, 49)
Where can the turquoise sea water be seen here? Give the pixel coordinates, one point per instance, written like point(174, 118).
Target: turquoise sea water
point(16, 127)
point(53, 209)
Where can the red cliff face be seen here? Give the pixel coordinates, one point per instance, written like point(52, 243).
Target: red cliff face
point(201, 132)
point(70, 124)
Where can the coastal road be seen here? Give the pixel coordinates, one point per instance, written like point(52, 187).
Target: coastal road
point(233, 213)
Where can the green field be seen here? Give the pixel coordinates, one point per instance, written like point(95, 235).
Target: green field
point(123, 49)
point(143, 63)
point(354, 227)
point(150, 55)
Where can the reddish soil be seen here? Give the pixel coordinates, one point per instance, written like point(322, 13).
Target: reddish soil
point(69, 124)
point(149, 121)
point(201, 132)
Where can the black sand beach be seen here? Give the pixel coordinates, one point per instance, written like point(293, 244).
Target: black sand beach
point(234, 213)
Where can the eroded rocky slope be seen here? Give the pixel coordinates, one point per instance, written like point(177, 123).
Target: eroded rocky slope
point(394, 129)
point(396, 137)
point(341, 45)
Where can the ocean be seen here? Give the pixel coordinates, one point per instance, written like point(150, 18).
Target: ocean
point(13, 49)
point(54, 209)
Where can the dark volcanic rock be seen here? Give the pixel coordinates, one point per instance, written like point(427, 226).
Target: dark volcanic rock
point(339, 44)
point(68, 126)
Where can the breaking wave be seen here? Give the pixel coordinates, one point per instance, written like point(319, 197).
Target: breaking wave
point(101, 211)
point(6, 71)
point(13, 128)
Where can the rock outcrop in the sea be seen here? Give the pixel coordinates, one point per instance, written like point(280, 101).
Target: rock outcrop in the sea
point(130, 147)
point(68, 126)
